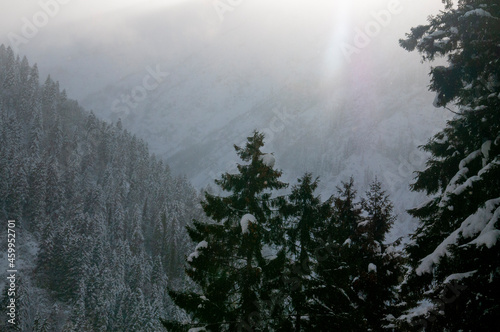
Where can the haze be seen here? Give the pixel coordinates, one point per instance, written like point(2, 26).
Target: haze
point(330, 101)
point(89, 44)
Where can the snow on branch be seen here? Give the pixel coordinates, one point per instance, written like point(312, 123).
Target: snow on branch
point(196, 253)
point(462, 171)
point(478, 12)
point(268, 159)
point(245, 221)
point(197, 329)
point(485, 150)
point(482, 222)
point(489, 234)
point(421, 309)
point(458, 276)
point(469, 158)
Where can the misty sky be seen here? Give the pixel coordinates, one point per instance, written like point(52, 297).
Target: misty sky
point(88, 44)
point(230, 62)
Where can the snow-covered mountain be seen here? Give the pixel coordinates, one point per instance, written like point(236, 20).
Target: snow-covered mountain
point(281, 71)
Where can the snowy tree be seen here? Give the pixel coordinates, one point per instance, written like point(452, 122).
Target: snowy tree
point(454, 253)
point(49, 92)
point(18, 187)
point(9, 73)
point(334, 301)
point(380, 264)
point(228, 263)
point(84, 193)
point(36, 196)
point(304, 214)
point(357, 274)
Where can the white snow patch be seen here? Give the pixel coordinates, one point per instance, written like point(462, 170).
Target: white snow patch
point(495, 162)
point(197, 329)
point(467, 184)
point(245, 221)
point(478, 12)
point(196, 253)
point(421, 309)
point(372, 267)
point(441, 140)
point(192, 256)
point(470, 181)
point(347, 242)
point(468, 159)
point(485, 150)
point(390, 250)
point(453, 186)
point(202, 244)
point(363, 223)
point(268, 159)
point(268, 252)
point(489, 234)
point(482, 222)
point(459, 276)
point(437, 33)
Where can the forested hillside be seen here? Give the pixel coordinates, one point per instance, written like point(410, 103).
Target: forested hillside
point(99, 235)
point(100, 222)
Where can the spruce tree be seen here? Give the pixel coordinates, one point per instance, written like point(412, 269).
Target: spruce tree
point(357, 273)
point(304, 214)
point(228, 264)
point(334, 302)
point(380, 263)
point(454, 253)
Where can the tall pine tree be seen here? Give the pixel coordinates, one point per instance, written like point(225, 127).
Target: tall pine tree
point(304, 214)
point(229, 264)
point(357, 273)
point(454, 253)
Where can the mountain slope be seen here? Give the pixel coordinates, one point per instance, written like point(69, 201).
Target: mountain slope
point(364, 119)
point(100, 222)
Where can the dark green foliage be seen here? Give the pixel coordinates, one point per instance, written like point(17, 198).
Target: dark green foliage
point(357, 272)
point(454, 253)
point(303, 264)
point(229, 264)
point(334, 301)
point(304, 215)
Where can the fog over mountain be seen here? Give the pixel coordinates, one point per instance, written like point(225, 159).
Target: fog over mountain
point(325, 81)
point(257, 165)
